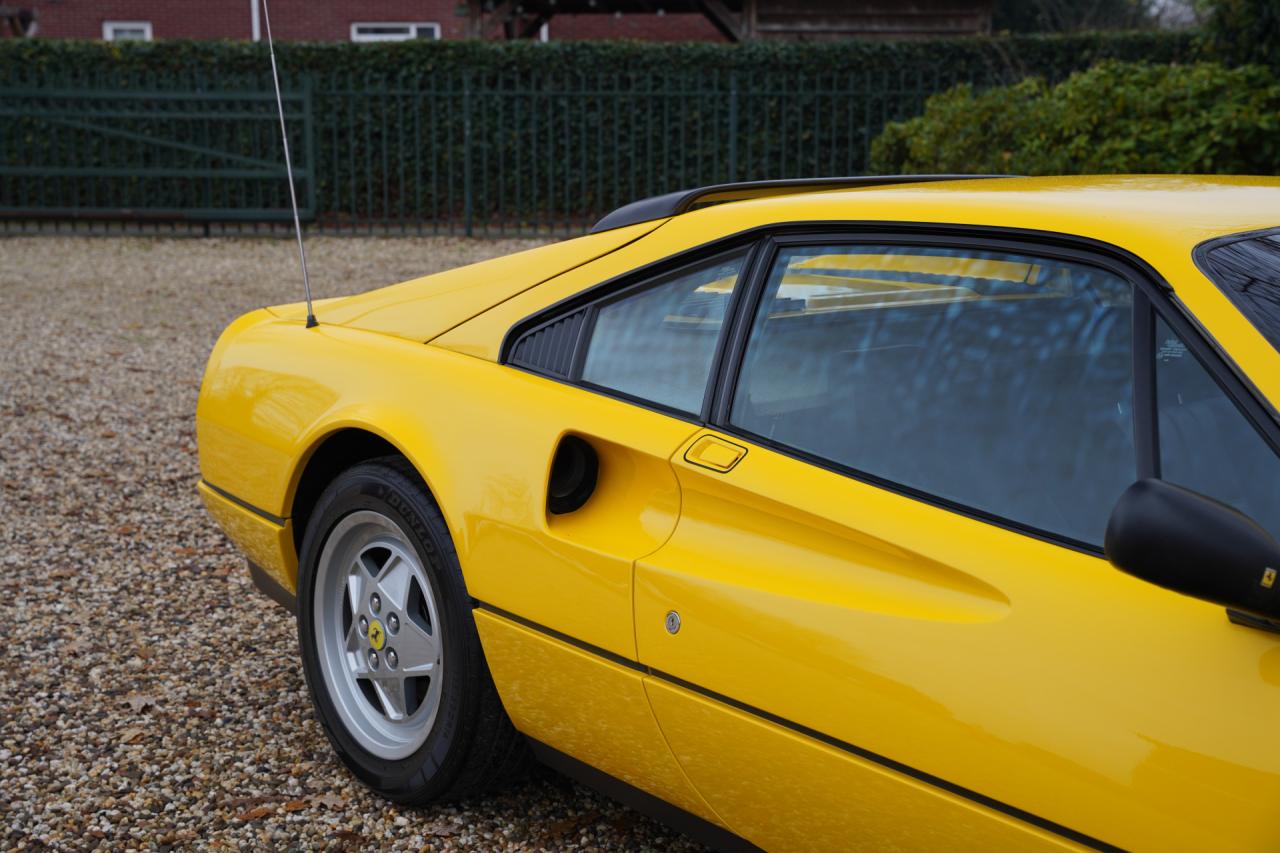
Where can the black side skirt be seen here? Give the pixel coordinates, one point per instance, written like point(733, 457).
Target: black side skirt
point(271, 588)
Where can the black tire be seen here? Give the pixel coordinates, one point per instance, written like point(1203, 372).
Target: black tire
point(472, 747)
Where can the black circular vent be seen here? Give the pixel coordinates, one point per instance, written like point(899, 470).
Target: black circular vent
point(573, 475)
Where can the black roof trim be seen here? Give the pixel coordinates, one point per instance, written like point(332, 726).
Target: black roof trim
point(682, 201)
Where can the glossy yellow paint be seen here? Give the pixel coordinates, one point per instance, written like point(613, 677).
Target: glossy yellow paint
point(564, 697)
point(269, 545)
point(787, 792)
point(258, 425)
point(1027, 672)
point(424, 307)
point(1035, 674)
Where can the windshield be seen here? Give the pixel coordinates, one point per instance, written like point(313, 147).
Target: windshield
point(1247, 270)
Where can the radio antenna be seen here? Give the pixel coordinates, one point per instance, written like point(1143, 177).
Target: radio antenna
point(288, 166)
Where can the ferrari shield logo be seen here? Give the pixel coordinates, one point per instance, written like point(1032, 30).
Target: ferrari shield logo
point(377, 637)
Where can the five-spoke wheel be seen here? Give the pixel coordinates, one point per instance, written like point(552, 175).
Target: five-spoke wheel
point(389, 644)
point(376, 625)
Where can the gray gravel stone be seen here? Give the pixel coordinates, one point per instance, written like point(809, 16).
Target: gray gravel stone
point(149, 697)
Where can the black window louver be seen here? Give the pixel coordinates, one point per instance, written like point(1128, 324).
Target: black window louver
point(549, 348)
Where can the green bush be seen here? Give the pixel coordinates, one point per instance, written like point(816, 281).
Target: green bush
point(1115, 117)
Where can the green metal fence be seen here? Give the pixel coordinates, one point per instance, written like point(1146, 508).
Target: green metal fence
point(136, 149)
point(459, 153)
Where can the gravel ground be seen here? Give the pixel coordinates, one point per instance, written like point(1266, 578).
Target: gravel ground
point(149, 697)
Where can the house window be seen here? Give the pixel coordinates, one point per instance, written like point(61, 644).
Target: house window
point(126, 30)
point(384, 31)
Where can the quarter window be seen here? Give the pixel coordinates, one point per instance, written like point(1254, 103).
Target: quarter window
point(1001, 382)
point(658, 344)
point(1206, 444)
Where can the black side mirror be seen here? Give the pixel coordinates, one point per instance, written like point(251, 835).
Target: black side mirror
point(1186, 542)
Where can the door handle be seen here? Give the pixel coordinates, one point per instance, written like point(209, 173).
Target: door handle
point(715, 453)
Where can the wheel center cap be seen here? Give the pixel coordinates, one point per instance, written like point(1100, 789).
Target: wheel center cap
point(377, 637)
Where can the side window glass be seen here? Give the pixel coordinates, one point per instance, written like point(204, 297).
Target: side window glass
point(997, 381)
point(658, 344)
point(1206, 443)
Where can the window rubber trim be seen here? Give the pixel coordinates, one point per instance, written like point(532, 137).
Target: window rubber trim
point(1146, 420)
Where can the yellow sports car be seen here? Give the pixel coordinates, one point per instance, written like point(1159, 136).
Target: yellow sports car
point(792, 513)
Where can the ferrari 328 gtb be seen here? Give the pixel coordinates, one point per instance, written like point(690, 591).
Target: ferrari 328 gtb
point(864, 513)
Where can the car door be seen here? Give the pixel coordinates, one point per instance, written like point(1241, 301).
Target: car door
point(884, 619)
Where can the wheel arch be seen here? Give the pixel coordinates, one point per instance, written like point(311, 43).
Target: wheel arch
point(341, 447)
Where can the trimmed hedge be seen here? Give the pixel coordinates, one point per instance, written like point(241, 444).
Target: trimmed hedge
point(501, 136)
point(1115, 117)
point(1007, 57)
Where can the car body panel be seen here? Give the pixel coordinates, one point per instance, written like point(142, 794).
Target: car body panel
point(423, 308)
point(257, 426)
point(972, 653)
point(829, 799)
point(817, 610)
point(559, 695)
point(266, 542)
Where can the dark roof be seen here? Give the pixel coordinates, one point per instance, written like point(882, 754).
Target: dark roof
point(682, 201)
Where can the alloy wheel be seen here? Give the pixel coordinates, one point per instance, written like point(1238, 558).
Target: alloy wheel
point(378, 634)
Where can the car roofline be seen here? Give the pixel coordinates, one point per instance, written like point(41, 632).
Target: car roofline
point(682, 201)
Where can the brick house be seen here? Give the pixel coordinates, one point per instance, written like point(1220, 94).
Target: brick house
point(384, 20)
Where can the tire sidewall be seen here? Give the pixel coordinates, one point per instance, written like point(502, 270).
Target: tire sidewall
point(429, 770)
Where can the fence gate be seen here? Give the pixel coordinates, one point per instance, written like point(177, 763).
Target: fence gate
point(142, 152)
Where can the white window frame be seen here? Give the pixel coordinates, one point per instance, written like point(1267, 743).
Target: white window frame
point(410, 32)
point(109, 29)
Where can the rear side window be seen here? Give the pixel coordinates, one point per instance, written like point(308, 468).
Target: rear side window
point(1248, 272)
point(997, 381)
point(657, 342)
